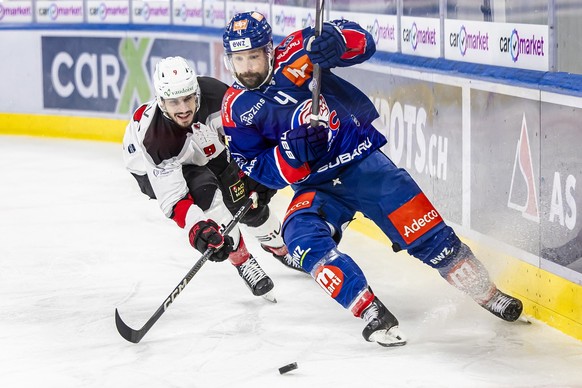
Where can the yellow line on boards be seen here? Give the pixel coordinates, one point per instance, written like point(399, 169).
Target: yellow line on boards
point(101, 129)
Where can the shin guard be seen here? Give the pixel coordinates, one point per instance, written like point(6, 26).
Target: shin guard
point(468, 274)
point(340, 277)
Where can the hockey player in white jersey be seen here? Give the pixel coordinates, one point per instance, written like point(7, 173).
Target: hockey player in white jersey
point(174, 147)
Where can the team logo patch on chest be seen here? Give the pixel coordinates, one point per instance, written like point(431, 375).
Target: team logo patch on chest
point(415, 218)
point(302, 115)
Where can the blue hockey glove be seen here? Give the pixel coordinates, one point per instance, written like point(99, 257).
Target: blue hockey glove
point(327, 49)
point(303, 144)
point(205, 234)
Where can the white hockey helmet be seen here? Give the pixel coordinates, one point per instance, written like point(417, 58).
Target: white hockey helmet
point(173, 78)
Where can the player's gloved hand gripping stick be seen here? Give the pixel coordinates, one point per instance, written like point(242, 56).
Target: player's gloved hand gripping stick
point(304, 144)
point(136, 335)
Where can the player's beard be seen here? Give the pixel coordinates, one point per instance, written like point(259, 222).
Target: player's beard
point(251, 80)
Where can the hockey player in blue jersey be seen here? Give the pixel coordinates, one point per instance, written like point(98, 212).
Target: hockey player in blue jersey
point(336, 168)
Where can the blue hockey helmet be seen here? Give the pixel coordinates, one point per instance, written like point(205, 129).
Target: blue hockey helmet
point(246, 31)
point(249, 31)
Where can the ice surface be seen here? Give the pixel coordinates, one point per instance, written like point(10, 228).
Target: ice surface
point(78, 239)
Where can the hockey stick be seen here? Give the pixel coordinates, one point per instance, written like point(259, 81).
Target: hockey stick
point(316, 79)
point(135, 336)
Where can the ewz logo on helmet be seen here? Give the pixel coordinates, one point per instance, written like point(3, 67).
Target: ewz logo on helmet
point(240, 44)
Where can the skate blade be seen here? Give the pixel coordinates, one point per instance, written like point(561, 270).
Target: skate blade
point(389, 338)
point(270, 296)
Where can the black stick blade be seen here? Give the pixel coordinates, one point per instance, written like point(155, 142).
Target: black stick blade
point(135, 336)
point(125, 331)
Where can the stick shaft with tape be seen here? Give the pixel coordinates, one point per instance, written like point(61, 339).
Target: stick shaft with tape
point(316, 79)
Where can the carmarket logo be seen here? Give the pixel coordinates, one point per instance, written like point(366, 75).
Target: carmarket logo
point(184, 13)
point(103, 11)
point(416, 36)
point(379, 32)
point(143, 12)
point(212, 15)
point(285, 21)
point(307, 21)
point(14, 11)
point(469, 41)
point(517, 46)
point(54, 11)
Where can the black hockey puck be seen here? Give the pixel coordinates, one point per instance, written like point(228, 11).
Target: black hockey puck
point(288, 368)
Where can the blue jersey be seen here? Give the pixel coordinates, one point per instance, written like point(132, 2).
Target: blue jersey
point(254, 120)
point(353, 176)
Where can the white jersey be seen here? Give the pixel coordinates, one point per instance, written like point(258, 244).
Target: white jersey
point(146, 150)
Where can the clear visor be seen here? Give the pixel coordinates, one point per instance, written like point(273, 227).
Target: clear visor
point(255, 64)
point(174, 102)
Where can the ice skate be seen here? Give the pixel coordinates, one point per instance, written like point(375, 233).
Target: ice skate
point(504, 306)
point(382, 326)
point(256, 279)
point(282, 254)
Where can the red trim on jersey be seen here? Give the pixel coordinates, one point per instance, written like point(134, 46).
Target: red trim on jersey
point(289, 173)
point(291, 44)
point(355, 43)
point(227, 101)
point(139, 112)
point(181, 209)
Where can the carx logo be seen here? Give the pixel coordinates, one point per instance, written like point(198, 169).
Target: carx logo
point(108, 74)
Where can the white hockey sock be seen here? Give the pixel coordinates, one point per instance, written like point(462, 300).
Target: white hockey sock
point(269, 233)
point(470, 276)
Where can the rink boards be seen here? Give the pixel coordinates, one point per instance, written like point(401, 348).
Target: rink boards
point(498, 156)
